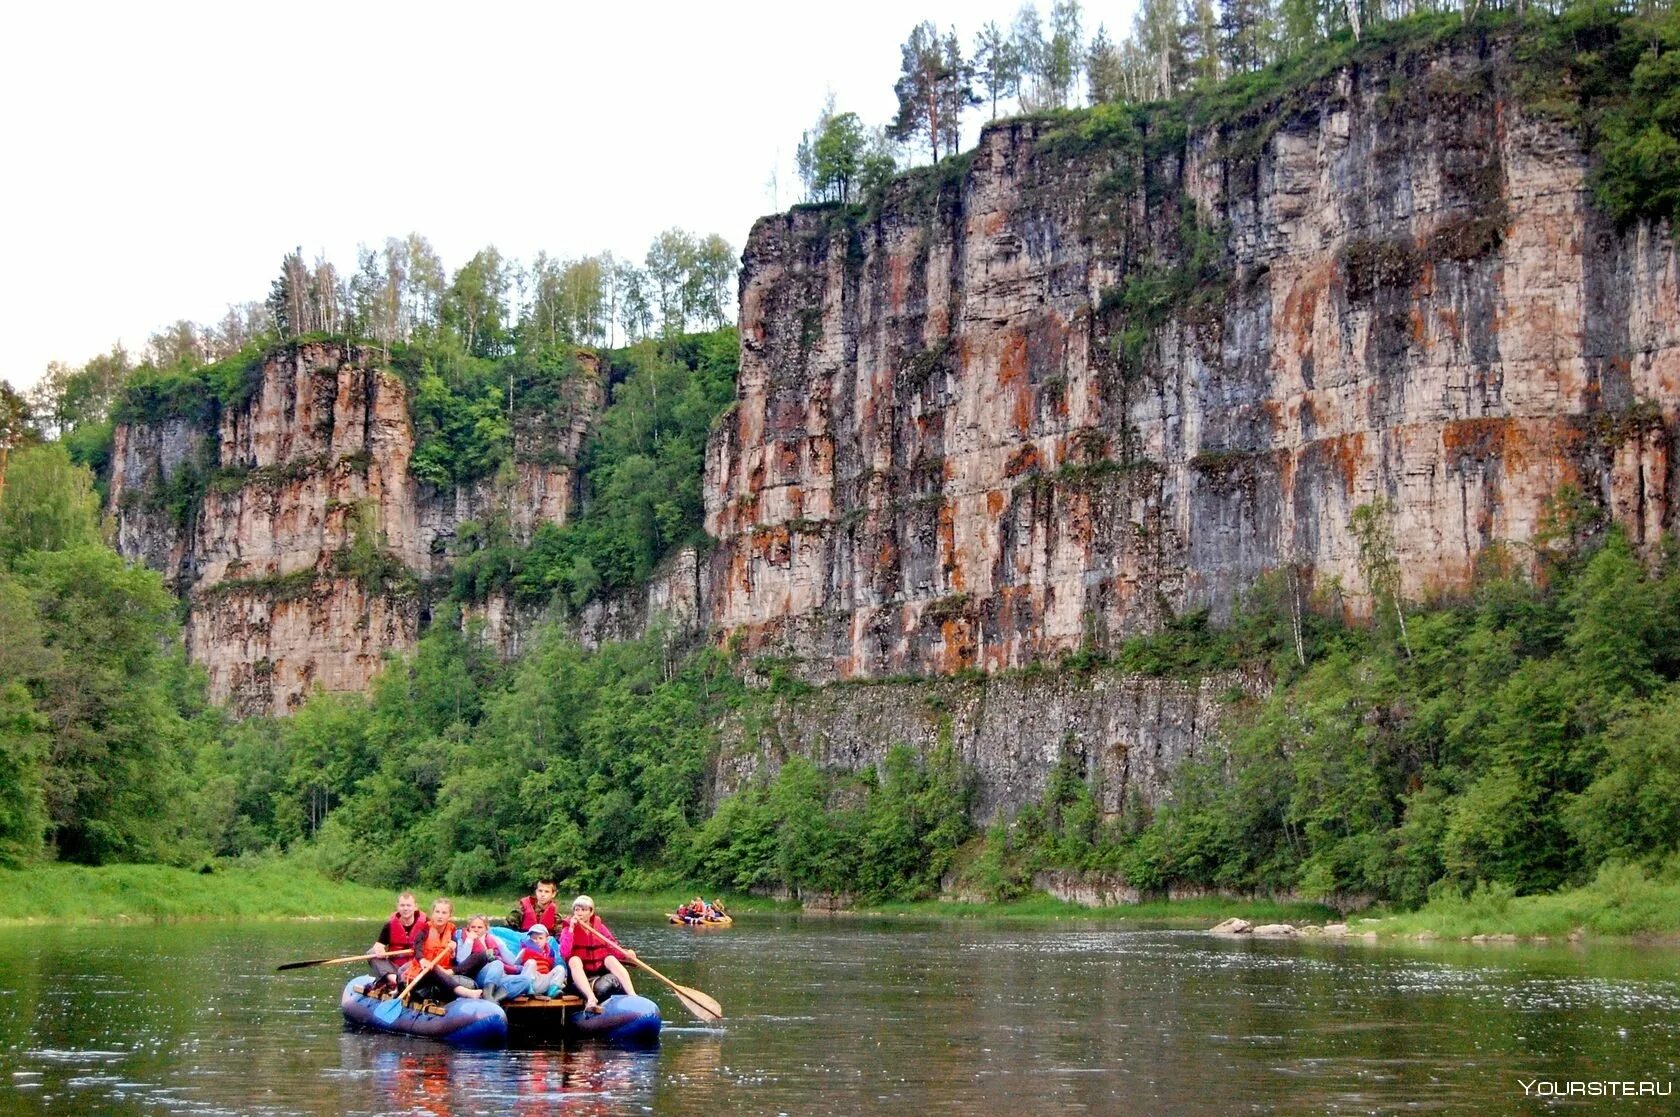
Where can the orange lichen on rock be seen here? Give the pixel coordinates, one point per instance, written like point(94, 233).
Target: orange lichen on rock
point(1023, 461)
point(1479, 439)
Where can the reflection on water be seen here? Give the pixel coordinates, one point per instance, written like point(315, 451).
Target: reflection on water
point(585, 1079)
point(852, 1016)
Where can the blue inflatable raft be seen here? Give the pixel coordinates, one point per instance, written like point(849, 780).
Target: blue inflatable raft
point(468, 1022)
point(625, 1020)
point(464, 1022)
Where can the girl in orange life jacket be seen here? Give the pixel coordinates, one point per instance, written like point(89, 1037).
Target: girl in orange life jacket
point(400, 932)
point(440, 983)
point(593, 956)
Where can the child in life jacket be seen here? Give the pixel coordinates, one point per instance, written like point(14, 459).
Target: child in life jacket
point(440, 982)
point(539, 965)
point(482, 957)
point(594, 960)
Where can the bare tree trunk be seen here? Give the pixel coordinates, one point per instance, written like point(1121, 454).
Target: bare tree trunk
point(1296, 609)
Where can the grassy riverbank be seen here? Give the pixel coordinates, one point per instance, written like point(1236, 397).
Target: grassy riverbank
point(279, 888)
point(262, 889)
point(1622, 901)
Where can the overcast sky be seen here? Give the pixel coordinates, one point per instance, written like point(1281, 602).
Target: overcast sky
point(162, 158)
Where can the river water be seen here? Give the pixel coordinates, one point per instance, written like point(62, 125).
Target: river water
point(858, 1016)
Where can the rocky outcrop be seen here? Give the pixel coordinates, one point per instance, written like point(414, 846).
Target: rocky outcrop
point(1098, 374)
point(297, 535)
point(1123, 734)
point(674, 600)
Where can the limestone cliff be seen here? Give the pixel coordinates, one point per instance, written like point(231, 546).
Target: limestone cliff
point(1103, 372)
point(296, 534)
point(1124, 734)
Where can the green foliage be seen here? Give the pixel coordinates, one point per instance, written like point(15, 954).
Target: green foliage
point(642, 469)
point(1523, 743)
point(1619, 899)
point(893, 835)
point(1624, 73)
point(196, 393)
point(47, 504)
point(107, 680)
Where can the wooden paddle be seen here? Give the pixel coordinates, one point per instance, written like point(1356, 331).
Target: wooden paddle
point(389, 1010)
point(346, 958)
point(702, 1006)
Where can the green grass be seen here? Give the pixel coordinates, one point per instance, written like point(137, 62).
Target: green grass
point(1623, 900)
point(265, 889)
point(257, 888)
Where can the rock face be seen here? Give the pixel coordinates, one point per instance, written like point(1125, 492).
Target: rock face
point(1123, 734)
point(295, 532)
point(1084, 382)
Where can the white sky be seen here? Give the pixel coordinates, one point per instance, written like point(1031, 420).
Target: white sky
point(161, 158)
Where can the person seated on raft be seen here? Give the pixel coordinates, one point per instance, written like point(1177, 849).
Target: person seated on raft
point(440, 983)
point(593, 956)
point(406, 925)
point(539, 965)
point(481, 956)
point(715, 911)
point(536, 908)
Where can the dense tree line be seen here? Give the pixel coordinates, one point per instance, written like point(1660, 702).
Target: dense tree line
point(1617, 58)
point(400, 296)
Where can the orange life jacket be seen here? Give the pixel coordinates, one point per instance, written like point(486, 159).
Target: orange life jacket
point(438, 942)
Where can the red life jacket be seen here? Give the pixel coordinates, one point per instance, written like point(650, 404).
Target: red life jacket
point(592, 946)
point(543, 959)
point(529, 916)
point(401, 937)
point(438, 942)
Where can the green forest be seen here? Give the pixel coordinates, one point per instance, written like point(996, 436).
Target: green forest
point(1523, 739)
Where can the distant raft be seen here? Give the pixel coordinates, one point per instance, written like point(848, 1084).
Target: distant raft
point(691, 921)
point(464, 1022)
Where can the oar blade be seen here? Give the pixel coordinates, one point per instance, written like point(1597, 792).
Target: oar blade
point(701, 999)
point(389, 1011)
point(700, 1011)
point(299, 965)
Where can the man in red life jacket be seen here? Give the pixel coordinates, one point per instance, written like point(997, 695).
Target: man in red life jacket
point(592, 956)
point(405, 927)
point(537, 908)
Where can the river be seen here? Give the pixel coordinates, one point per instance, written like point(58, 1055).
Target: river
point(854, 1016)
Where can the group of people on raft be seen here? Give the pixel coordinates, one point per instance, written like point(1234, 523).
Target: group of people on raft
point(698, 910)
point(575, 955)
